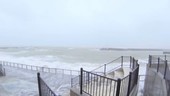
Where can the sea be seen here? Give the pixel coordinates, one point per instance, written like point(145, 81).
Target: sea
point(64, 58)
point(71, 58)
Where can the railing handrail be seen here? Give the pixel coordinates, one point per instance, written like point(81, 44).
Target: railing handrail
point(164, 57)
point(124, 61)
point(100, 75)
point(38, 68)
point(106, 64)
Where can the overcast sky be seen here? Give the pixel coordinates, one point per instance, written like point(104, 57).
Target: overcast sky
point(85, 23)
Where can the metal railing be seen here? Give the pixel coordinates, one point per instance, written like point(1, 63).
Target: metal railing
point(163, 57)
point(97, 85)
point(133, 79)
point(123, 61)
point(2, 70)
point(157, 74)
point(44, 89)
point(72, 73)
point(124, 86)
point(94, 83)
point(160, 64)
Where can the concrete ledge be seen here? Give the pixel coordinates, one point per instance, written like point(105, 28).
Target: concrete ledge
point(155, 84)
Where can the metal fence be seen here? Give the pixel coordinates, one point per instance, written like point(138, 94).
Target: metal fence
point(124, 86)
point(44, 89)
point(97, 85)
point(160, 64)
point(133, 79)
point(41, 69)
point(2, 70)
point(123, 61)
point(94, 83)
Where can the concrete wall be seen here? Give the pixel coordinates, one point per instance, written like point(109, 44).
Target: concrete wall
point(155, 84)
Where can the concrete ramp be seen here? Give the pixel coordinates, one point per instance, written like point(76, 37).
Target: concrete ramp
point(116, 74)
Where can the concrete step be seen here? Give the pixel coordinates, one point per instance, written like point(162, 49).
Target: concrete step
point(119, 73)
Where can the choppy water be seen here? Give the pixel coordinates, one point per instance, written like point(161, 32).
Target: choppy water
point(67, 58)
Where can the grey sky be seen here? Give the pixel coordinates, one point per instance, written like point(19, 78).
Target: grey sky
point(85, 23)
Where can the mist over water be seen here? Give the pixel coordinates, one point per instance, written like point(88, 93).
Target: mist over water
point(68, 58)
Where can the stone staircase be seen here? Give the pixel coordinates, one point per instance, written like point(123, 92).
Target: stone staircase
point(119, 73)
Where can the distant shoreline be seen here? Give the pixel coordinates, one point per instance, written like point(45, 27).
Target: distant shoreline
point(102, 49)
point(129, 49)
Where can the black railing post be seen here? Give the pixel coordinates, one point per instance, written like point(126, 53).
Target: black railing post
point(4, 72)
point(2, 63)
point(166, 62)
point(104, 69)
point(129, 84)
point(39, 84)
point(121, 61)
point(158, 64)
point(118, 87)
point(150, 60)
point(81, 81)
point(165, 57)
point(137, 74)
point(133, 63)
point(71, 82)
point(130, 62)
